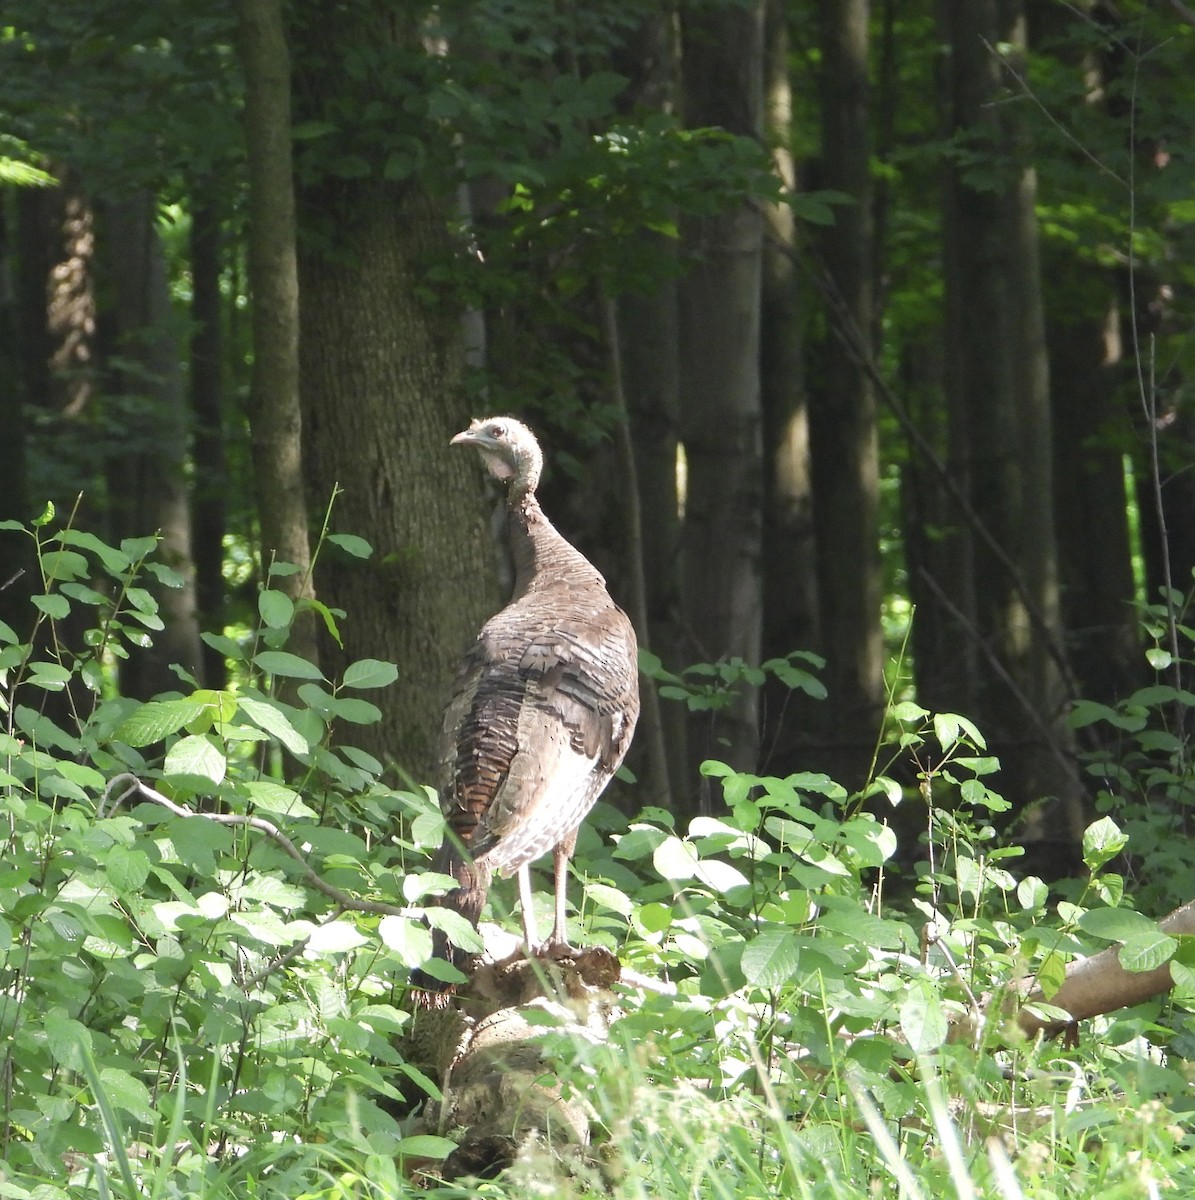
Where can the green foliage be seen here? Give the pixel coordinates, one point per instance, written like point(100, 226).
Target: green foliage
point(184, 1009)
point(1141, 758)
point(171, 978)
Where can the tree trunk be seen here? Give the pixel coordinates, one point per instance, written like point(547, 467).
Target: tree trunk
point(844, 443)
point(720, 419)
point(789, 574)
point(275, 414)
point(211, 469)
point(1096, 573)
point(382, 397)
point(146, 482)
point(999, 398)
point(647, 338)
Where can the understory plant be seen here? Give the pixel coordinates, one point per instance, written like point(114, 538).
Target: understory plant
point(211, 901)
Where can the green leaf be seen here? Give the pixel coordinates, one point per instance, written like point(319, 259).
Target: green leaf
point(156, 720)
point(127, 869)
point(66, 1038)
point(276, 608)
point(410, 940)
point(272, 797)
point(55, 607)
point(50, 676)
point(137, 548)
point(127, 1092)
point(336, 937)
point(1116, 924)
point(195, 755)
point(325, 614)
point(1102, 840)
point(114, 560)
point(610, 897)
point(274, 722)
point(425, 1145)
point(358, 547)
point(358, 712)
point(1032, 893)
point(674, 859)
point(720, 876)
point(280, 662)
point(63, 565)
point(771, 959)
point(459, 930)
point(370, 673)
point(1147, 951)
point(922, 1018)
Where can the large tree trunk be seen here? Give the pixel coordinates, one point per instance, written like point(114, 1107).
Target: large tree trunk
point(998, 389)
point(721, 415)
point(275, 414)
point(789, 573)
point(845, 454)
point(147, 487)
point(382, 395)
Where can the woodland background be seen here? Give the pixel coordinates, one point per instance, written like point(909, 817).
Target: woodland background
point(857, 335)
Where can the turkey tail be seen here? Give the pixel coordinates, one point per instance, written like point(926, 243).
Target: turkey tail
point(468, 899)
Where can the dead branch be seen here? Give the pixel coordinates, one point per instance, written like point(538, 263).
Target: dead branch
point(109, 805)
point(1100, 984)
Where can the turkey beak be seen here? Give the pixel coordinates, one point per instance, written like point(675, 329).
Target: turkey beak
point(463, 438)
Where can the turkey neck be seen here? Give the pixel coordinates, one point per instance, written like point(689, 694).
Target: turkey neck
point(542, 558)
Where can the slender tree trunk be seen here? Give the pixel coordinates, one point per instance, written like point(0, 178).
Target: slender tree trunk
point(789, 573)
point(721, 416)
point(275, 414)
point(1096, 573)
point(845, 452)
point(211, 470)
point(147, 487)
point(1000, 401)
point(647, 339)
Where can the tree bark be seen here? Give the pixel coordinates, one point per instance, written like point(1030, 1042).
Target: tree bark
point(998, 391)
point(721, 418)
point(275, 414)
point(382, 392)
point(1101, 985)
point(647, 339)
point(211, 470)
point(147, 488)
point(790, 619)
point(382, 397)
point(843, 433)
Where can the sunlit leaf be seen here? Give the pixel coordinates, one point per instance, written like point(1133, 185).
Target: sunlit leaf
point(195, 755)
point(922, 1017)
point(772, 958)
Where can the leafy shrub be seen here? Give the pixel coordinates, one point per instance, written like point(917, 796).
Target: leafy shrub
point(209, 911)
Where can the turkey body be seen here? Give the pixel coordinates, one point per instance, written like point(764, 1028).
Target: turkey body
point(543, 709)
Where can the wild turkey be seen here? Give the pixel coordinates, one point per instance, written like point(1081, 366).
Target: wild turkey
point(543, 709)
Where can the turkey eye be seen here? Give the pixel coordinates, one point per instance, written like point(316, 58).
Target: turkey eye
point(497, 432)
